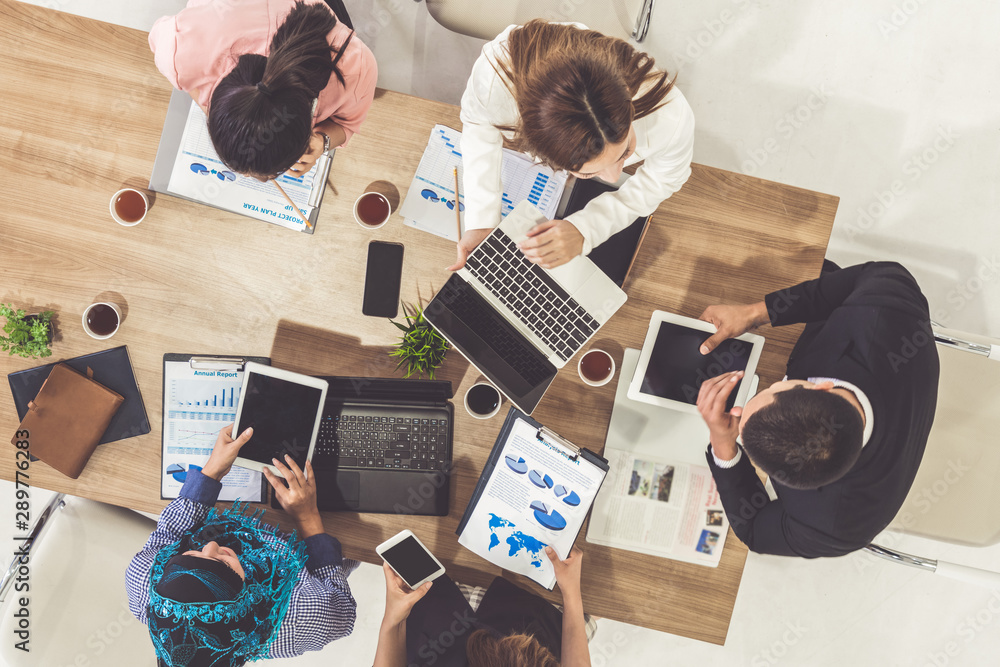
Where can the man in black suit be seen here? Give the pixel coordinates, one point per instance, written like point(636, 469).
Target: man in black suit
point(842, 436)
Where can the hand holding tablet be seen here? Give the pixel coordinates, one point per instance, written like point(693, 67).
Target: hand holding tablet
point(284, 409)
point(225, 452)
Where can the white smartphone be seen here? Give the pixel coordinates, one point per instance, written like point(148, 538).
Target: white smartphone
point(410, 559)
point(284, 409)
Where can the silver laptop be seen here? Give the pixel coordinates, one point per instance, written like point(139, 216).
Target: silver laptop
point(515, 321)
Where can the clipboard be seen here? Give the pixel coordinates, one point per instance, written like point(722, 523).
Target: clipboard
point(195, 408)
point(550, 491)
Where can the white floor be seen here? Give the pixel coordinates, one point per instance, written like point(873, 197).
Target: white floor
point(894, 106)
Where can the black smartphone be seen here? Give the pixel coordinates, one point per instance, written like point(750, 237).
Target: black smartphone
point(385, 270)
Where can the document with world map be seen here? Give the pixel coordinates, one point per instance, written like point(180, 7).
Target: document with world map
point(535, 491)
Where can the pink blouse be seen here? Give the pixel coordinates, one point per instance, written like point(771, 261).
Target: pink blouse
point(199, 46)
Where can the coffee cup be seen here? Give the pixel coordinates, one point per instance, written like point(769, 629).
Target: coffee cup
point(483, 400)
point(372, 210)
point(101, 320)
point(129, 207)
point(596, 368)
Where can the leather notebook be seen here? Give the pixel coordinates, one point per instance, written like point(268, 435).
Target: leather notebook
point(113, 369)
point(67, 418)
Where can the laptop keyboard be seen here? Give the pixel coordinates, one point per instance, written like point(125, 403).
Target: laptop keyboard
point(532, 295)
point(486, 323)
point(369, 437)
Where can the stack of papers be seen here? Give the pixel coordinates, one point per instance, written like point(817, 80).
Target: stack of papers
point(430, 201)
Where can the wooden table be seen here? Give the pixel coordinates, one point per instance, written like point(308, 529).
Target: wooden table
point(81, 116)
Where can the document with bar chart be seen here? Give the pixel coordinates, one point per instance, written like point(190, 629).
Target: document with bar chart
point(197, 404)
point(430, 201)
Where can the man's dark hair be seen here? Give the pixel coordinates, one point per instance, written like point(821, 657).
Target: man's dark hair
point(804, 438)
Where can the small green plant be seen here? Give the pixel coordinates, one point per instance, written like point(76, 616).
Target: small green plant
point(421, 348)
point(27, 335)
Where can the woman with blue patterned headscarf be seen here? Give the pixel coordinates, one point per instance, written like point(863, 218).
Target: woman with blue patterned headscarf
point(219, 589)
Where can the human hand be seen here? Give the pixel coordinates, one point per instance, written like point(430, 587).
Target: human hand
point(308, 159)
point(552, 243)
point(299, 497)
point(732, 321)
point(723, 426)
point(399, 598)
point(470, 239)
point(225, 452)
point(567, 571)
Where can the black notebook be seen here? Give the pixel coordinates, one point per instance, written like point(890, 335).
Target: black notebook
point(113, 369)
point(617, 254)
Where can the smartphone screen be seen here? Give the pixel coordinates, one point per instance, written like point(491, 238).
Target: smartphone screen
point(410, 561)
point(385, 270)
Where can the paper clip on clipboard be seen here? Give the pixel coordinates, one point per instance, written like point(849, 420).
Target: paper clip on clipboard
point(218, 363)
point(553, 439)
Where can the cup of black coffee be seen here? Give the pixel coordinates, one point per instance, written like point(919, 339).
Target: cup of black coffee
point(482, 400)
point(596, 368)
point(101, 320)
point(372, 210)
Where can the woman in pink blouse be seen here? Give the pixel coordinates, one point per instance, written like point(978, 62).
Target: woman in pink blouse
point(280, 80)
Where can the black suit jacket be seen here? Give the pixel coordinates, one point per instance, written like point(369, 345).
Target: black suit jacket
point(868, 325)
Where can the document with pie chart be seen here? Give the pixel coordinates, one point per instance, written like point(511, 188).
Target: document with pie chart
point(535, 491)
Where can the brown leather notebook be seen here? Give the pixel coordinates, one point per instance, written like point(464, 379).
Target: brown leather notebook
point(66, 420)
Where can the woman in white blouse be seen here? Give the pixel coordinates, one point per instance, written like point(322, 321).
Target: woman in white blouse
point(579, 101)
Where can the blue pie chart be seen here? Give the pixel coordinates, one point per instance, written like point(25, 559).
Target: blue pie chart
point(517, 465)
point(199, 168)
point(552, 521)
point(572, 499)
point(539, 480)
point(539, 506)
point(560, 490)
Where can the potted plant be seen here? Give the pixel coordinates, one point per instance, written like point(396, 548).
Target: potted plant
point(26, 335)
point(421, 348)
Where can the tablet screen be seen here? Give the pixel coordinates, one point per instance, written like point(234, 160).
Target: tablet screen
point(677, 368)
point(283, 417)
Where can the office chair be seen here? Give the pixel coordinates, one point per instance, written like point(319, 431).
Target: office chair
point(955, 496)
point(485, 19)
point(77, 608)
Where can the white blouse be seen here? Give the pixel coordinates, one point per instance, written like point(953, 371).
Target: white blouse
point(664, 141)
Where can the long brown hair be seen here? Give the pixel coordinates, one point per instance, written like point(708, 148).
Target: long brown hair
point(519, 650)
point(577, 91)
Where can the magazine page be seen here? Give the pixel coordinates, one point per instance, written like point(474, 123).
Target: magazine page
point(660, 508)
point(536, 496)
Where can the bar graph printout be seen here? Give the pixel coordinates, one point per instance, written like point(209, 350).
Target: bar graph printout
point(199, 174)
point(197, 404)
point(430, 201)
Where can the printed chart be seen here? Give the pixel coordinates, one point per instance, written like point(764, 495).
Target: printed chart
point(430, 201)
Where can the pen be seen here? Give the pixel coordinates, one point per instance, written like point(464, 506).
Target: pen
point(289, 200)
point(458, 214)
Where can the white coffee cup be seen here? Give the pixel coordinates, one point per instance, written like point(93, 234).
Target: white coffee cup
point(377, 195)
point(90, 332)
point(117, 218)
point(480, 415)
point(596, 383)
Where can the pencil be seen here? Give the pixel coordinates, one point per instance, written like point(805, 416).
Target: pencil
point(458, 213)
point(289, 200)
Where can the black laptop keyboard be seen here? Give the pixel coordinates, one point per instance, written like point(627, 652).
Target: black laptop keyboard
point(532, 295)
point(382, 437)
point(475, 313)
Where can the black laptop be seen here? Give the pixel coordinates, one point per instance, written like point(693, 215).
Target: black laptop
point(384, 446)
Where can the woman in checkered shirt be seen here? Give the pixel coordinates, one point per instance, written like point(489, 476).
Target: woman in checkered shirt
point(221, 589)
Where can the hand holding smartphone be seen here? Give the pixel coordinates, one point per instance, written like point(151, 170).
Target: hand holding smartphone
point(410, 559)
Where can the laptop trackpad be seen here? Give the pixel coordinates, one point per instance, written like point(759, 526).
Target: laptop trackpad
point(347, 490)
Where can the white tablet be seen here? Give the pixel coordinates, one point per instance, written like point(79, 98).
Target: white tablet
point(284, 409)
point(671, 366)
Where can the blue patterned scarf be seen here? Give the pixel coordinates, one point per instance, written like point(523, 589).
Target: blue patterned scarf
point(227, 633)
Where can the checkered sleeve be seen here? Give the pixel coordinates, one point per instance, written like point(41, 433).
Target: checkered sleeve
point(321, 610)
